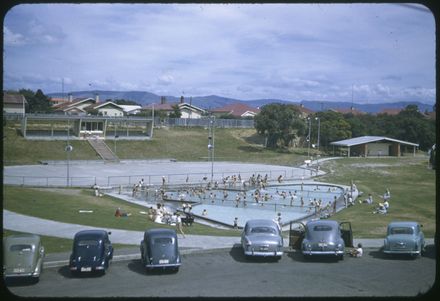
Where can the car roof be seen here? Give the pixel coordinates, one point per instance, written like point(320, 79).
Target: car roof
point(93, 234)
point(260, 222)
point(322, 222)
point(403, 224)
point(24, 238)
point(160, 232)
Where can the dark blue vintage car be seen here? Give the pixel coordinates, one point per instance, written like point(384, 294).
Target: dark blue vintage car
point(321, 237)
point(159, 249)
point(92, 251)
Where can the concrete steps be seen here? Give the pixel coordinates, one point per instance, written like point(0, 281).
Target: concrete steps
point(103, 150)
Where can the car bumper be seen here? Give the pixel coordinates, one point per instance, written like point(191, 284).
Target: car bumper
point(21, 275)
point(87, 269)
point(163, 265)
point(335, 253)
point(263, 253)
point(411, 252)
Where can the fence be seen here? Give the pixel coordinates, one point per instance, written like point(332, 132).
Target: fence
point(204, 122)
point(155, 179)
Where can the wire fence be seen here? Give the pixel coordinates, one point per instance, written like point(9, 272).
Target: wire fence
point(154, 179)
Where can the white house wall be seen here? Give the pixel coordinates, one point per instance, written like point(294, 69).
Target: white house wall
point(110, 112)
point(190, 114)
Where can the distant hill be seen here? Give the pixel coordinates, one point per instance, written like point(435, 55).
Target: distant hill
point(213, 101)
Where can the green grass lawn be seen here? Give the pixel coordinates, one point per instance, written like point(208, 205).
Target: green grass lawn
point(64, 205)
point(412, 187)
point(183, 144)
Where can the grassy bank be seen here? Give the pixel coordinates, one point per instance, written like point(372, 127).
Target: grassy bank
point(412, 187)
point(183, 144)
point(64, 205)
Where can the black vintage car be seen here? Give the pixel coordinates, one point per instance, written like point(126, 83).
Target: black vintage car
point(159, 249)
point(92, 251)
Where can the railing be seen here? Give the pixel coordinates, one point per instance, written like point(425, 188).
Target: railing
point(157, 179)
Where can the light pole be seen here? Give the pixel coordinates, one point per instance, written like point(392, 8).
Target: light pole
point(116, 136)
point(211, 144)
point(68, 149)
point(308, 137)
point(317, 143)
point(319, 130)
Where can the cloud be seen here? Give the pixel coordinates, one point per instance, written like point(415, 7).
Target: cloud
point(12, 39)
point(246, 51)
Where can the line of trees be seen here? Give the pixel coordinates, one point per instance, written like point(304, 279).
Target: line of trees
point(282, 124)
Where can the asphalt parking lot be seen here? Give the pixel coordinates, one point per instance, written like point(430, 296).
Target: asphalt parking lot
point(227, 273)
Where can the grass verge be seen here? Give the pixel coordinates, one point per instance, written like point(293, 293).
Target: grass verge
point(412, 187)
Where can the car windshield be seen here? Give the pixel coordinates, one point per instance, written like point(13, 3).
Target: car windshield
point(322, 228)
point(163, 240)
point(20, 248)
point(402, 230)
point(269, 230)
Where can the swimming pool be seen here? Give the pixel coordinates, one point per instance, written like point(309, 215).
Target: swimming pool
point(293, 201)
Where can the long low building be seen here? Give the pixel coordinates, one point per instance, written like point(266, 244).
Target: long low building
point(374, 146)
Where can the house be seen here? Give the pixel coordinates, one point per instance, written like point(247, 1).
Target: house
point(75, 106)
point(107, 109)
point(14, 103)
point(238, 110)
point(131, 109)
point(186, 109)
point(374, 146)
point(57, 100)
point(390, 111)
point(351, 110)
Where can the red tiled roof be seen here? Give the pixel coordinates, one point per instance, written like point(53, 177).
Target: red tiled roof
point(13, 98)
point(390, 111)
point(236, 109)
point(349, 111)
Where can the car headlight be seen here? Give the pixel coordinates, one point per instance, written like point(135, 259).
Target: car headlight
point(247, 242)
point(339, 246)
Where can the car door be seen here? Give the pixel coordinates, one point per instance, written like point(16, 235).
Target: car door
point(346, 234)
point(297, 232)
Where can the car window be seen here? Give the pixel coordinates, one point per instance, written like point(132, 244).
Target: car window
point(402, 230)
point(20, 248)
point(163, 240)
point(268, 230)
point(322, 228)
point(88, 243)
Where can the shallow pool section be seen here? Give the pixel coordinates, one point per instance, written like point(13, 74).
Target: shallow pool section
point(290, 201)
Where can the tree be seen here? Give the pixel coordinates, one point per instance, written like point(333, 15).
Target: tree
point(37, 102)
point(280, 123)
point(334, 127)
point(176, 112)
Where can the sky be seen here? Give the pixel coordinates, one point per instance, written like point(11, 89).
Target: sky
point(366, 53)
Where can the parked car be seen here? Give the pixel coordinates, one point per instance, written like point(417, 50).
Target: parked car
point(22, 256)
point(92, 251)
point(159, 249)
point(321, 237)
point(405, 237)
point(262, 237)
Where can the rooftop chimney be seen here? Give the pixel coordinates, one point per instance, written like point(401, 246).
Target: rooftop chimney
point(163, 100)
point(181, 99)
point(96, 98)
point(70, 97)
